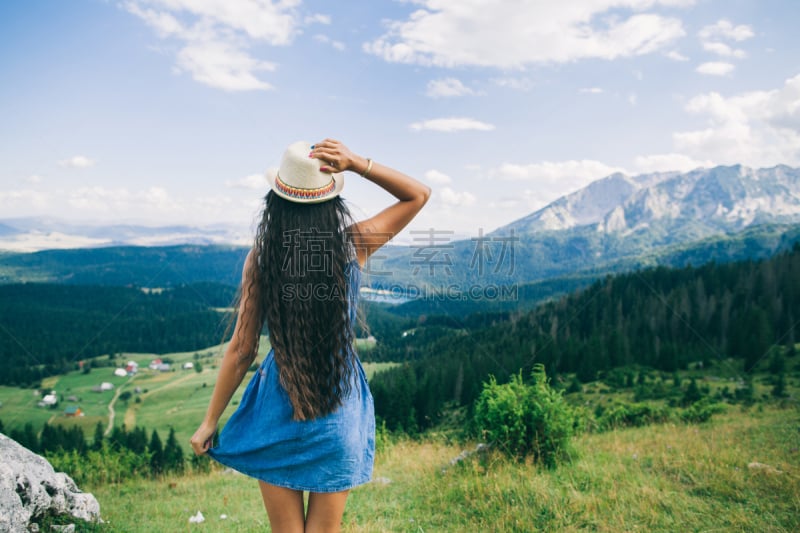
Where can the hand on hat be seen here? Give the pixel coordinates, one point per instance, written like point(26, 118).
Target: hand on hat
point(336, 157)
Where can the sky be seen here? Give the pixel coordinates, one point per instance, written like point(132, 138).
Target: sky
point(163, 112)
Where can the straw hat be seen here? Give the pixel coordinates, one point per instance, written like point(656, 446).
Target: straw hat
point(299, 178)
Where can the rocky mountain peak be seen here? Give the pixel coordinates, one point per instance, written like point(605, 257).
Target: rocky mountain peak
point(723, 198)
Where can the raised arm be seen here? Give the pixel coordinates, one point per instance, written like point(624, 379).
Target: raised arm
point(374, 232)
point(237, 359)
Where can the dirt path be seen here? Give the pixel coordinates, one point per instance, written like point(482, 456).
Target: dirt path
point(130, 413)
point(111, 412)
point(130, 417)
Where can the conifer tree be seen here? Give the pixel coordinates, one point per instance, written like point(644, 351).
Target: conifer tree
point(29, 439)
point(97, 440)
point(118, 438)
point(692, 394)
point(49, 440)
point(74, 439)
point(156, 450)
point(779, 389)
point(173, 454)
point(137, 440)
point(777, 363)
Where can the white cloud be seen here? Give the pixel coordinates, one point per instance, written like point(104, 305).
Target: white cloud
point(221, 65)
point(451, 198)
point(758, 128)
point(504, 203)
point(676, 56)
point(153, 202)
point(114, 204)
point(451, 124)
point(438, 178)
point(34, 178)
point(723, 28)
point(518, 84)
point(164, 23)
point(715, 68)
point(665, 162)
point(215, 35)
point(514, 33)
point(78, 161)
point(324, 39)
point(711, 38)
point(554, 171)
point(319, 19)
point(447, 87)
point(633, 99)
point(10, 201)
point(274, 22)
point(252, 181)
point(723, 49)
point(591, 90)
point(550, 180)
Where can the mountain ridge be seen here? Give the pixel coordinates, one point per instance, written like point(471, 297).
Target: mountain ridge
point(614, 224)
point(725, 198)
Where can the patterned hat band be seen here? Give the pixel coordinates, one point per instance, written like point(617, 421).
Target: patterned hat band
point(307, 194)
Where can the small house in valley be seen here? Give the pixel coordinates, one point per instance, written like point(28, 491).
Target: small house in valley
point(73, 410)
point(49, 400)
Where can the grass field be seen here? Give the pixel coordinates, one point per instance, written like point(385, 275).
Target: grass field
point(738, 472)
point(658, 478)
point(176, 399)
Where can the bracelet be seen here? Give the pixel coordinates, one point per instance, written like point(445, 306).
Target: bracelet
point(365, 174)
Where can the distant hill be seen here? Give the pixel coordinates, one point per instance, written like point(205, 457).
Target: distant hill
point(127, 265)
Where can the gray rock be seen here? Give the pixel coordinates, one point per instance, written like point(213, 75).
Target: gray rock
point(30, 489)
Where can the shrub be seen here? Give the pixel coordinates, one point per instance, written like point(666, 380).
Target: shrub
point(201, 463)
point(632, 415)
point(524, 420)
point(98, 467)
point(701, 411)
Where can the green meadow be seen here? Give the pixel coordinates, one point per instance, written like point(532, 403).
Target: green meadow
point(738, 472)
point(174, 399)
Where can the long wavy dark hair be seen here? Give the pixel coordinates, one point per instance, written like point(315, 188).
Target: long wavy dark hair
point(302, 251)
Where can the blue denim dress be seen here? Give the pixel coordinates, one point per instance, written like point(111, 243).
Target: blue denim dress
point(326, 454)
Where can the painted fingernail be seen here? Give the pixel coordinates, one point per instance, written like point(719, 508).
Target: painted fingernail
point(312, 146)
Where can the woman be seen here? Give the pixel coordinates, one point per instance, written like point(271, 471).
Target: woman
point(306, 420)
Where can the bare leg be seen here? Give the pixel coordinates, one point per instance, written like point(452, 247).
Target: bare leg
point(284, 508)
point(325, 510)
